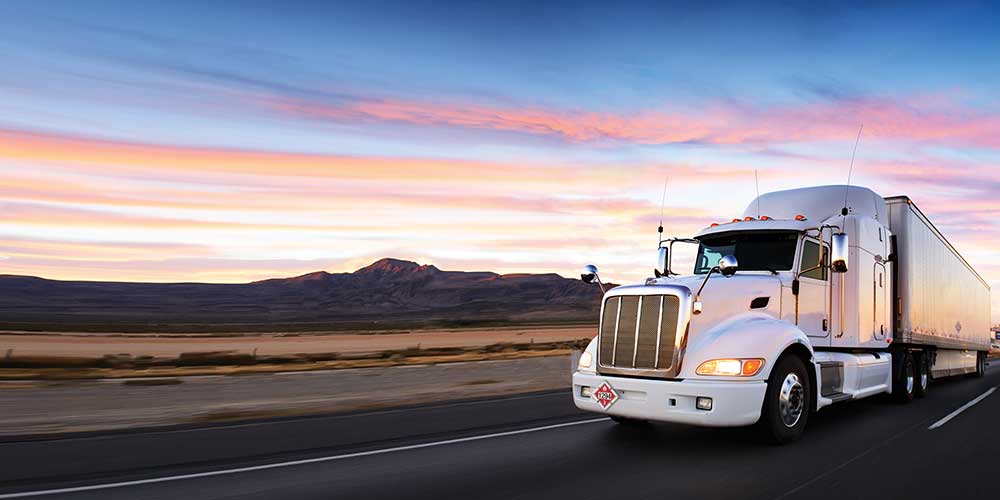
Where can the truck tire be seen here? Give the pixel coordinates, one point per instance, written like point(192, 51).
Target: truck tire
point(786, 405)
point(904, 385)
point(923, 375)
point(980, 365)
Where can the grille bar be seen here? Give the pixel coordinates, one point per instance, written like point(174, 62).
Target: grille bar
point(618, 319)
point(659, 332)
point(638, 321)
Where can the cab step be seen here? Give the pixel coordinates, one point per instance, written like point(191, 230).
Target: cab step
point(838, 397)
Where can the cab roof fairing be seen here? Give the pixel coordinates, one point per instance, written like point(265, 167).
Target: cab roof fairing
point(820, 205)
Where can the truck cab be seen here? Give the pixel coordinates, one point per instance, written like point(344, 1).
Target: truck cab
point(788, 309)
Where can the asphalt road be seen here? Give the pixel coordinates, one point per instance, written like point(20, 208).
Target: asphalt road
point(532, 446)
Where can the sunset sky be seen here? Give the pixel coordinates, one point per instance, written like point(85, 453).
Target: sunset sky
point(221, 142)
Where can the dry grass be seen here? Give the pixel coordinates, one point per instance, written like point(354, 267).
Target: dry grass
point(220, 363)
point(95, 345)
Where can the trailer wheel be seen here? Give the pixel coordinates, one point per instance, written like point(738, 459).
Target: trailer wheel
point(786, 403)
point(905, 384)
point(923, 375)
point(980, 365)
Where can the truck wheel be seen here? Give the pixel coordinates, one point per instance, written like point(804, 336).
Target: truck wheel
point(786, 402)
point(923, 375)
point(980, 365)
point(905, 384)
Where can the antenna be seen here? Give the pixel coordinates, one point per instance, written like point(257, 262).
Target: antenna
point(756, 183)
point(663, 200)
point(847, 188)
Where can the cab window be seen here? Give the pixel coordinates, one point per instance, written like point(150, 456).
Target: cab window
point(765, 251)
point(810, 257)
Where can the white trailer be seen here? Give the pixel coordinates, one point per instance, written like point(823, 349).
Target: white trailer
point(940, 300)
point(813, 297)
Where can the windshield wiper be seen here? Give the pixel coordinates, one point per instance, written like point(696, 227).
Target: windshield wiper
point(772, 271)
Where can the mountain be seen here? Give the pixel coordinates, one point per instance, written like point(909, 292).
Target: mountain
point(388, 293)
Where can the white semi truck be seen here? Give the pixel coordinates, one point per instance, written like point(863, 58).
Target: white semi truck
point(814, 297)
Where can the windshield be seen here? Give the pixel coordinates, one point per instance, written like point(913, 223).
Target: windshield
point(772, 251)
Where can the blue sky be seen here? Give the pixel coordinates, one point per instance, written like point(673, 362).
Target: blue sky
point(126, 127)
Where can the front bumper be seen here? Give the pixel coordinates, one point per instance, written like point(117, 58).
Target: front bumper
point(734, 403)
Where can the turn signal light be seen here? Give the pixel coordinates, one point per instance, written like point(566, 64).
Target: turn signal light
point(731, 367)
point(751, 367)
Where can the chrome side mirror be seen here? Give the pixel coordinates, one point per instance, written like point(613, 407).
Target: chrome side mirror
point(662, 263)
point(728, 265)
point(839, 249)
point(589, 275)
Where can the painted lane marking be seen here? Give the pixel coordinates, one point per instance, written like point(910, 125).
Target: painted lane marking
point(964, 407)
point(293, 463)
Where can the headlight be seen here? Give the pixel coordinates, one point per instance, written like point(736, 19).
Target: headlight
point(586, 360)
point(731, 367)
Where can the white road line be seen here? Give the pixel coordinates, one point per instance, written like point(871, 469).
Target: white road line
point(964, 407)
point(293, 463)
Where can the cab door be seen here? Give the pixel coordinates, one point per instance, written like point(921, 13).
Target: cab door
point(880, 292)
point(814, 292)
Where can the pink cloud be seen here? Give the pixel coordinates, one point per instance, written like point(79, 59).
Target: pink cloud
point(917, 119)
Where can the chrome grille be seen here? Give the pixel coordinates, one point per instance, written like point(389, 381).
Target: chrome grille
point(639, 333)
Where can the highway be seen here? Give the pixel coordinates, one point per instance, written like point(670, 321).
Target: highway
point(533, 445)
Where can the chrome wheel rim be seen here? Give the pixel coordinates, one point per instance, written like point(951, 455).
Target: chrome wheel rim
point(909, 383)
point(791, 400)
point(923, 381)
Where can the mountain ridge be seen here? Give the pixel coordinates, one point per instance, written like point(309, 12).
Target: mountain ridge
point(387, 292)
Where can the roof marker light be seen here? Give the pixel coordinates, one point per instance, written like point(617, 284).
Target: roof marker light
point(713, 224)
point(800, 217)
point(748, 219)
point(737, 220)
point(764, 217)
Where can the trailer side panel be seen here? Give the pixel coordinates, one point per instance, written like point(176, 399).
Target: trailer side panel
point(941, 300)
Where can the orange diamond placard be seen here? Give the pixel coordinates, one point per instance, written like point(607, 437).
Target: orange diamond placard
point(605, 396)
